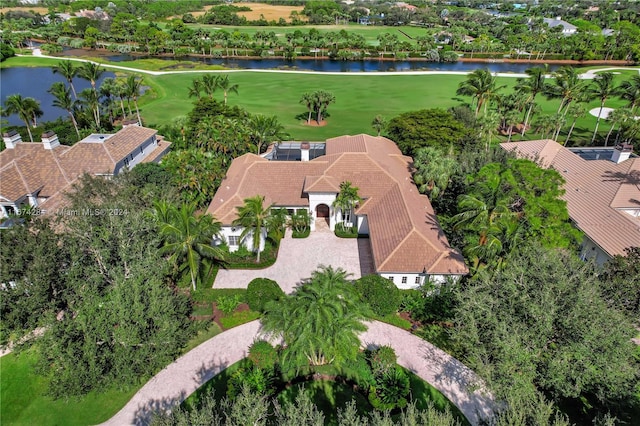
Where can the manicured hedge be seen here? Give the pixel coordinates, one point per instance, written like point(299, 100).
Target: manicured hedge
point(262, 290)
point(380, 293)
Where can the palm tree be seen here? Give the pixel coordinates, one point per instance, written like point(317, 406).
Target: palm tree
point(433, 170)
point(618, 116)
point(576, 111)
point(568, 87)
point(320, 321)
point(33, 106)
point(209, 84)
point(62, 95)
point(378, 124)
point(195, 88)
point(488, 127)
point(253, 217)
point(121, 92)
point(481, 86)
point(602, 88)
point(545, 124)
point(532, 86)
point(187, 238)
point(630, 92)
point(322, 101)
point(511, 119)
point(107, 90)
point(224, 83)
point(23, 107)
point(133, 85)
point(309, 100)
point(89, 99)
point(263, 129)
point(68, 71)
point(346, 200)
point(92, 72)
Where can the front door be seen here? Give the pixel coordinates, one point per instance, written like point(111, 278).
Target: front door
point(322, 210)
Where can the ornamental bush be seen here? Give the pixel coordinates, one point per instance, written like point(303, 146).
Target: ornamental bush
point(380, 293)
point(262, 290)
point(383, 360)
point(263, 355)
point(391, 390)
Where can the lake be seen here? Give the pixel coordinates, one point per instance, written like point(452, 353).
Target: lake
point(34, 83)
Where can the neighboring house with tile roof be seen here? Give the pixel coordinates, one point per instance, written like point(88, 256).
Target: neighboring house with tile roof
point(602, 193)
point(407, 243)
point(37, 175)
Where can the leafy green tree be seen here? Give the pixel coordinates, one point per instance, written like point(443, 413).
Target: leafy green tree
point(427, 127)
point(187, 238)
point(253, 217)
point(319, 321)
point(68, 71)
point(63, 100)
point(621, 282)
point(602, 88)
point(382, 296)
point(260, 291)
point(346, 200)
point(541, 324)
point(481, 86)
point(433, 170)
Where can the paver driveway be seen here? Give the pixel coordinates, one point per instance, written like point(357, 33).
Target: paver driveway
point(298, 257)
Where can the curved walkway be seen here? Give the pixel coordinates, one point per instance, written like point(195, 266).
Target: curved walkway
point(182, 377)
point(587, 75)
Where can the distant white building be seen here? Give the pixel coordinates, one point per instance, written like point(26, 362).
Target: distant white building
point(567, 28)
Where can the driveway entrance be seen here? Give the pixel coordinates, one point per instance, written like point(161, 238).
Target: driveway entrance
point(299, 257)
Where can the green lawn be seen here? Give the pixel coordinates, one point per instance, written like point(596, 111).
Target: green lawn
point(23, 400)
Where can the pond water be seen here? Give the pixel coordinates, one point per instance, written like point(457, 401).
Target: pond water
point(34, 83)
point(322, 65)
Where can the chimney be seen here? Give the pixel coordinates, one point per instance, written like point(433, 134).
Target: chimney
point(50, 140)
point(304, 151)
point(127, 123)
point(621, 153)
point(11, 139)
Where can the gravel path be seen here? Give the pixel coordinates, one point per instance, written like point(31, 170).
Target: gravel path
point(181, 378)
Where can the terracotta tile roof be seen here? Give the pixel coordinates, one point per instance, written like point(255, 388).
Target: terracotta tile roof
point(596, 191)
point(405, 235)
point(127, 140)
point(321, 184)
point(29, 168)
point(160, 151)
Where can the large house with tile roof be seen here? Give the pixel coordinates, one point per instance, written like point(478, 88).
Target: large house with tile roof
point(37, 174)
point(602, 191)
point(407, 244)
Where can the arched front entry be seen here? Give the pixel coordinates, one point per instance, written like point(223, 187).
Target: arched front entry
point(322, 210)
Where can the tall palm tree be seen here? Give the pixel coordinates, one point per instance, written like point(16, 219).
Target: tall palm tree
point(630, 92)
point(226, 86)
point(107, 90)
point(568, 87)
point(618, 116)
point(320, 321)
point(133, 90)
point(481, 86)
point(576, 111)
point(187, 237)
point(209, 84)
point(92, 72)
point(546, 123)
point(253, 216)
point(378, 124)
point(195, 88)
point(346, 200)
point(532, 86)
point(23, 107)
point(68, 71)
point(264, 129)
point(489, 123)
point(322, 101)
point(89, 99)
point(33, 106)
point(309, 101)
point(121, 92)
point(602, 88)
point(62, 95)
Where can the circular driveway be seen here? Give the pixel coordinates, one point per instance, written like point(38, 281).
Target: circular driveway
point(182, 377)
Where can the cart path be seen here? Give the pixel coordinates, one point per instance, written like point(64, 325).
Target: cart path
point(182, 377)
point(37, 53)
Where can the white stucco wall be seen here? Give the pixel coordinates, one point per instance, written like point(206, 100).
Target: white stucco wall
point(591, 250)
point(317, 198)
point(138, 155)
point(415, 280)
point(363, 225)
point(236, 231)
